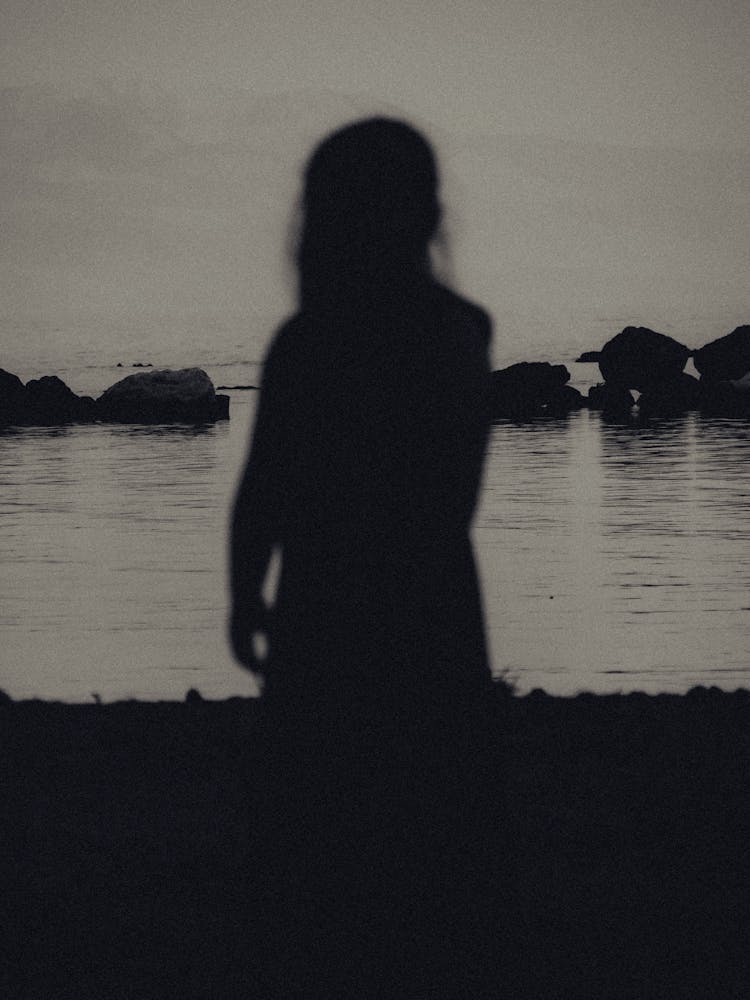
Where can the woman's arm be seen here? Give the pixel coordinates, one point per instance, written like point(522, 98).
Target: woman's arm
point(256, 518)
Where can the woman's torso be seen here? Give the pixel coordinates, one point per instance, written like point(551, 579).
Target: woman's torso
point(385, 429)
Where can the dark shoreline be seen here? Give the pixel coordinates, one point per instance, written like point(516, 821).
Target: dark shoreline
point(625, 823)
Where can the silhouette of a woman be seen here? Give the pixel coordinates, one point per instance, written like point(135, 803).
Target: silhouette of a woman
point(367, 456)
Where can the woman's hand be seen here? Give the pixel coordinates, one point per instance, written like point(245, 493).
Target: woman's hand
point(248, 637)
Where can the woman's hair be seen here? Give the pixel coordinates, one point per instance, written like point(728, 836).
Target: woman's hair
point(370, 209)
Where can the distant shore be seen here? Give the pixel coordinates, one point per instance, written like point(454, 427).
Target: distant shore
point(625, 822)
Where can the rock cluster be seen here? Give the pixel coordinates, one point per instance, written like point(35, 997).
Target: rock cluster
point(531, 390)
point(637, 359)
point(154, 397)
point(652, 363)
point(44, 402)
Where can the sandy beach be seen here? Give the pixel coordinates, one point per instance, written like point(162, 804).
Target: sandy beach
point(132, 850)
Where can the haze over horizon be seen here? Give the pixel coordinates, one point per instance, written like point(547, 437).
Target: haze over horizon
point(593, 155)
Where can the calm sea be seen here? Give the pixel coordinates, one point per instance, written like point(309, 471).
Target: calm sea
point(613, 558)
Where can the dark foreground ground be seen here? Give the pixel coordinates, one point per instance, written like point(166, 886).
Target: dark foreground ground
point(600, 850)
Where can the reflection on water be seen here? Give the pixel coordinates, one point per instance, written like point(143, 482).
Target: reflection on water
point(114, 537)
point(613, 557)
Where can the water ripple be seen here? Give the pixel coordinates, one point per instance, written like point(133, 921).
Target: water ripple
point(611, 557)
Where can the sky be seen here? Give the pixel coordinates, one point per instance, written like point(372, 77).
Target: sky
point(592, 152)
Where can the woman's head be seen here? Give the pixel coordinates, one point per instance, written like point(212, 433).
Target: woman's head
point(370, 207)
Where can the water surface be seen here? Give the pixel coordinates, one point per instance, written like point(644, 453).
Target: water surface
point(612, 557)
point(615, 557)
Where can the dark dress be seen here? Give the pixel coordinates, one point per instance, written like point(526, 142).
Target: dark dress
point(365, 466)
point(364, 471)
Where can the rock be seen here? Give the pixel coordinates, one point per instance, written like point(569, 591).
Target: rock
point(50, 402)
point(10, 385)
point(537, 695)
point(42, 402)
point(222, 407)
point(532, 376)
point(612, 400)
point(588, 356)
point(671, 398)
point(725, 399)
point(155, 397)
point(12, 399)
point(525, 391)
point(725, 358)
point(563, 400)
point(638, 358)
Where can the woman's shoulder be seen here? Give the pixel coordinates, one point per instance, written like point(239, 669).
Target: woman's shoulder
point(288, 331)
point(288, 338)
point(284, 359)
point(461, 312)
point(303, 335)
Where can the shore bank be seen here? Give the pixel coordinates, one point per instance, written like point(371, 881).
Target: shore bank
point(131, 850)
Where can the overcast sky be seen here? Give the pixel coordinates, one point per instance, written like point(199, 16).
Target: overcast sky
point(151, 152)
